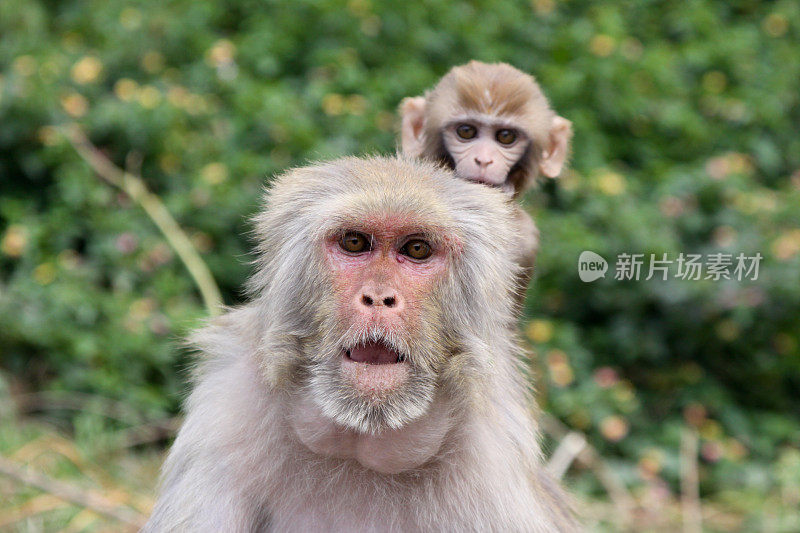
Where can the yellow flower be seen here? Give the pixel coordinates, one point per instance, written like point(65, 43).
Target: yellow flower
point(130, 18)
point(333, 104)
point(74, 104)
point(650, 464)
point(177, 96)
point(539, 331)
point(153, 61)
point(543, 7)
point(614, 428)
point(142, 308)
point(149, 97)
point(735, 450)
point(602, 45)
point(611, 183)
point(126, 89)
point(24, 65)
point(220, 53)
point(48, 135)
point(195, 104)
point(45, 273)
point(775, 25)
point(214, 173)
point(711, 430)
point(560, 371)
point(14, 241)
point(787, 245)
point(87, 70)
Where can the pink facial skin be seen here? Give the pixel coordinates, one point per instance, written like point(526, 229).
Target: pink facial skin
point(482, 158)
point(381, 289)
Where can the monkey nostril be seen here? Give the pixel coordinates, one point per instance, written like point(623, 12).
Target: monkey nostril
point(389, 302)
point(366, 300)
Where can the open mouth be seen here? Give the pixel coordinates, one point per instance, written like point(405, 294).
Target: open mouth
point(374, 353)
point(374, 368)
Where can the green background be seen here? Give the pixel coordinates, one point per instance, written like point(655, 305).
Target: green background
point(686, 140)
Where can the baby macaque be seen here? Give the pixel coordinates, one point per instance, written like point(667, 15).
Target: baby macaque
point(492, 124)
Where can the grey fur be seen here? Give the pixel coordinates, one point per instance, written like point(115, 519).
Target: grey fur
point(466, 440)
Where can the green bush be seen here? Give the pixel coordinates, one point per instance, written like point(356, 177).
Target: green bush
point(686, 119)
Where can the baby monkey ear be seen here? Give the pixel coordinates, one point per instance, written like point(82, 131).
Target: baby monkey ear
point(412, 111)
point(555, 154)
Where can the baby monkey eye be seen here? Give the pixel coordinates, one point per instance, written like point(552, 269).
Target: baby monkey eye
point(506, 136)
point(416, 249)
point(354, 242)
point(465, 131)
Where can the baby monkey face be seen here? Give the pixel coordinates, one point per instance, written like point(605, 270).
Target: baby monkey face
point(484, 151)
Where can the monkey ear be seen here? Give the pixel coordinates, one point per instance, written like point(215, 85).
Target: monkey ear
point(412, 111)
point(556, 153)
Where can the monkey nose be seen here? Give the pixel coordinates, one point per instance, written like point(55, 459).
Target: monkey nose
point(373, 299)
point(483, 163)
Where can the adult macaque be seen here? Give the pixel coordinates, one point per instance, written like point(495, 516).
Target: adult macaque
point(492, 124)
point(373, 382)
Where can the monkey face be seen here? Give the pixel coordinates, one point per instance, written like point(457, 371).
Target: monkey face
point(373, 276)
point(473, 121)
point(484, 151)
point(380, 369)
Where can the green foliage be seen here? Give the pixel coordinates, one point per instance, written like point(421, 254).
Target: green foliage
point(685, 115)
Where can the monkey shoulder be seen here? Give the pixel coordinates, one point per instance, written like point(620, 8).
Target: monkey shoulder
point(208, 473)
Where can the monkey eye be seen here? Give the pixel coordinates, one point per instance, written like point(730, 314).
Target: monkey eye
point(416, 249)
point(506, 136)
point(354, 242)
point(466, 131)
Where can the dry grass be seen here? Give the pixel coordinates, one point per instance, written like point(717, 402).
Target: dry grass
point(103, 479)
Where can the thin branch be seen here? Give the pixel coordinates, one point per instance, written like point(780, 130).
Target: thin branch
point(147, 433)
point(135, 187)
point(568, 450)
point(38, 505)
point(139, 433)
point(70, 493)
point(690, 492)
point(589, 457)
point(77, 401)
